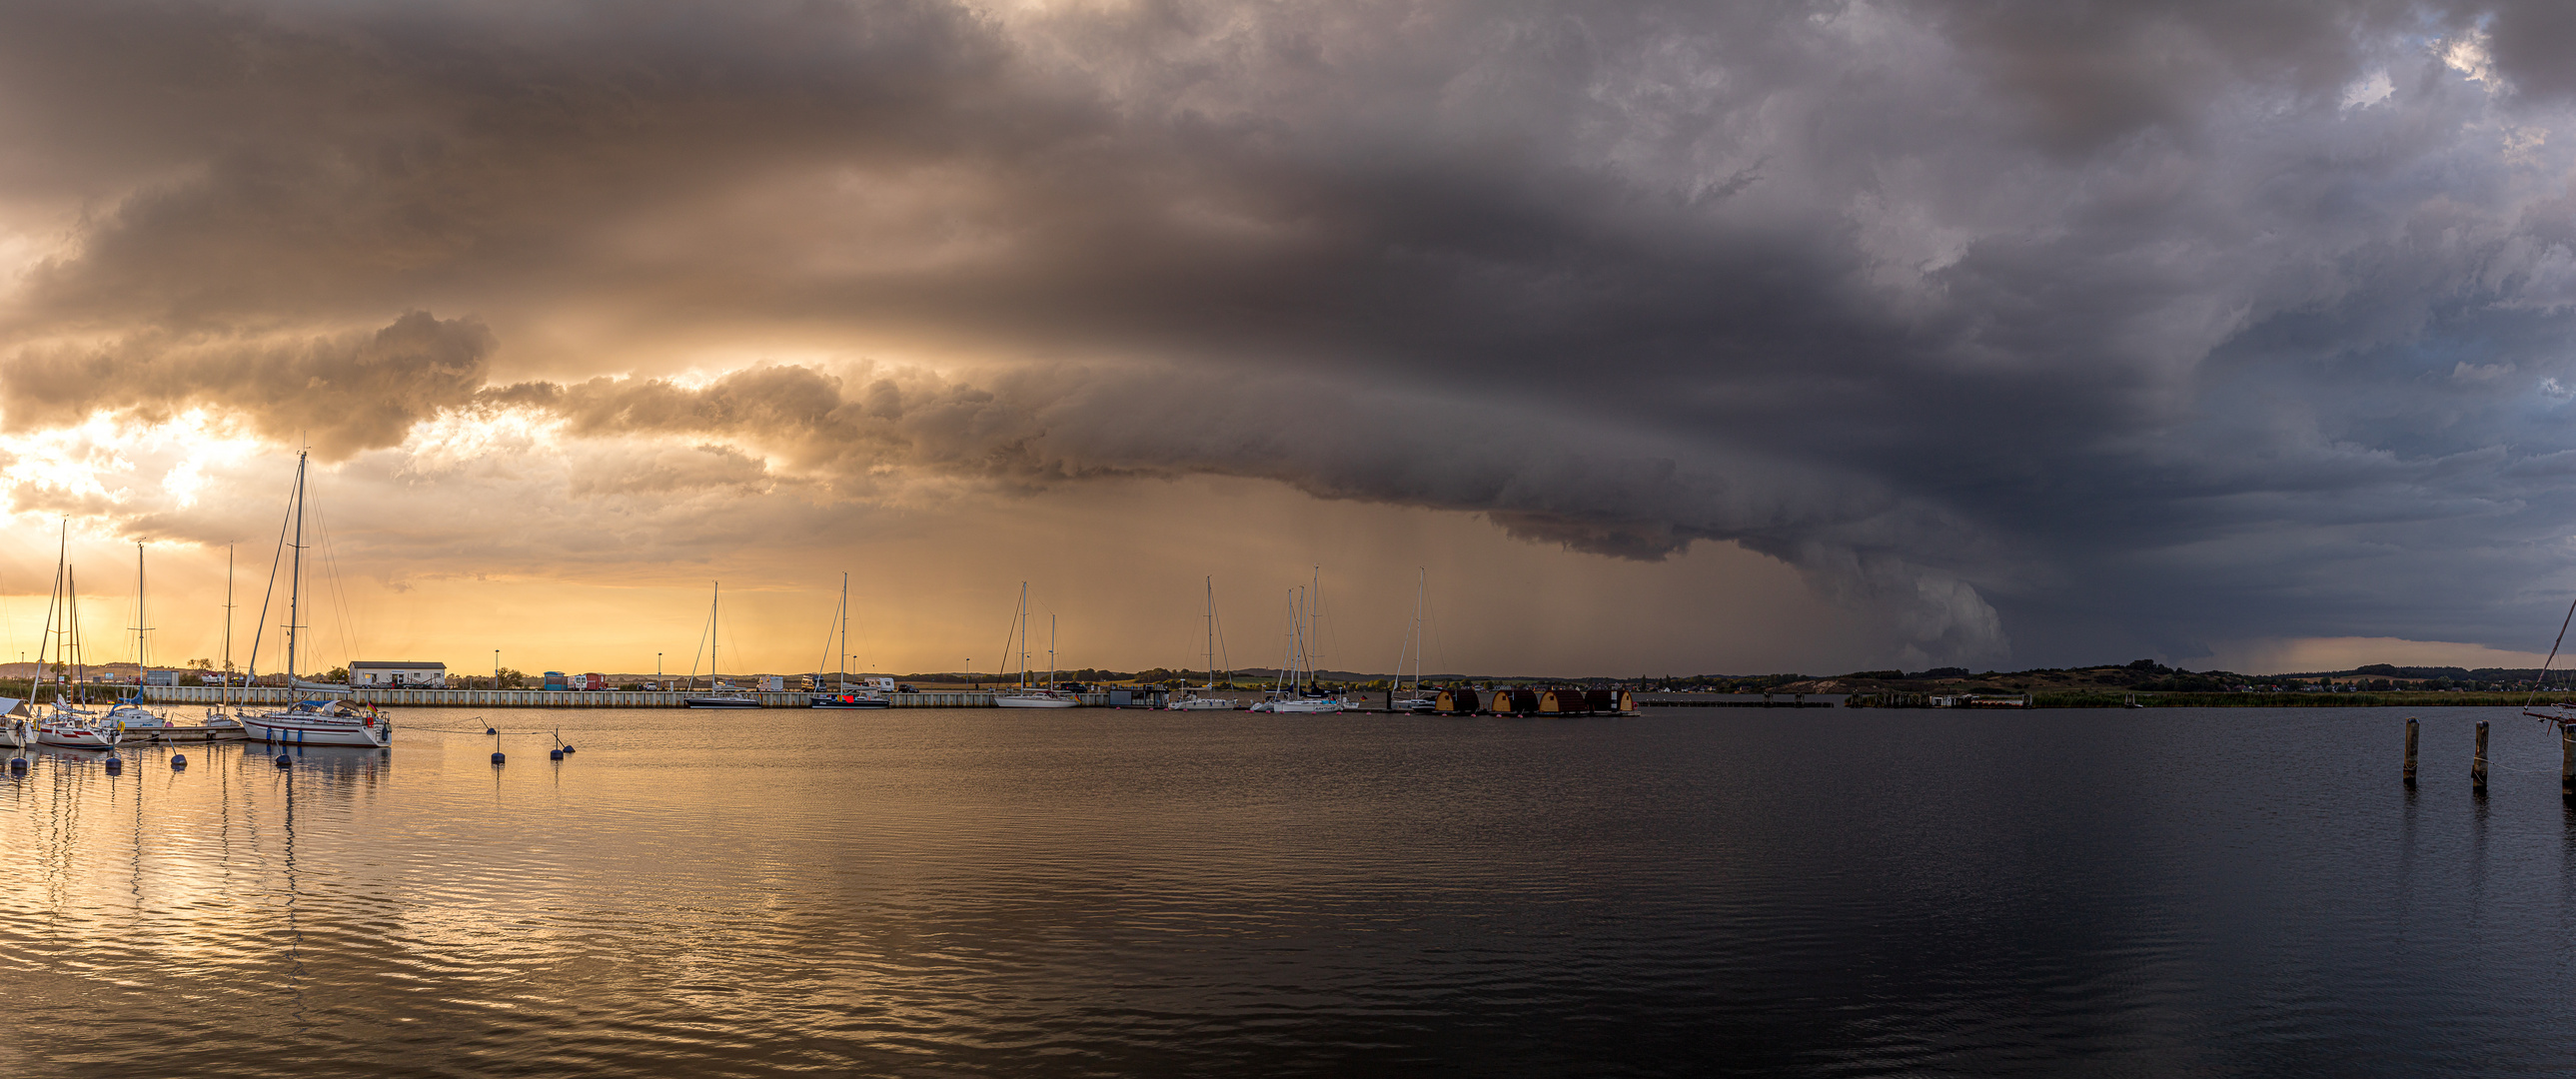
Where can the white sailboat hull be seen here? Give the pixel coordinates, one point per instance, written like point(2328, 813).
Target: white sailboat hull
point(1300, 707)
point(1202, 704)
point(70, 736)
point(313, 724)
point(1037, 698)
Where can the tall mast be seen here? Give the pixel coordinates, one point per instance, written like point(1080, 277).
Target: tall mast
point(1211, 633)
point(845, 631)
point(228, 626)
point(1024, 634)
point(1420, 577)
point(71, 631)
point(295, 574)
point(715, 602)
point(142, 654)
point(46, 639)
point(1050, 682)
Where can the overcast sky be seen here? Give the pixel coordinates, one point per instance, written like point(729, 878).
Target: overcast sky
point(1690, 337)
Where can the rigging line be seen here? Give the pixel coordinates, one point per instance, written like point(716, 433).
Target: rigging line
point(339, 589)
point(701, 651)
point(250, 665)
point(2541, 684)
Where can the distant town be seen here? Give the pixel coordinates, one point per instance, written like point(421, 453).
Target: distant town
point(2136, 677)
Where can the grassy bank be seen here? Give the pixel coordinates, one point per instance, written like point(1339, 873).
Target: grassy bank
point(2296, 700)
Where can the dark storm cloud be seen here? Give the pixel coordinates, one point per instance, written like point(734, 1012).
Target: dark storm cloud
point(2142, 323)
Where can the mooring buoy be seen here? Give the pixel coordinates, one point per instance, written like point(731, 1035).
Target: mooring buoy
point(567, 748)
point(497, 758)
point(554, 754)
point(17, 764)
point(114, 765)
point(488, 730)
point(178, 760)
point(284, 761)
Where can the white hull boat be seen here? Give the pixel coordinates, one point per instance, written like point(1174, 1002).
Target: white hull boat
point(321, 723)
point(1035, 698)
point(73, 730)
point(1202, 704)
point(1305, 706)
point(130, 714)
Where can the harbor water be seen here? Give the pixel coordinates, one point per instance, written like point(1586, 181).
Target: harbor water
point(1686, 892)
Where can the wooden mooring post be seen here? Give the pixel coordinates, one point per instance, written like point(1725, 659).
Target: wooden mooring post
point(2567, 762)
point(2414, 733)
point(2478, 767)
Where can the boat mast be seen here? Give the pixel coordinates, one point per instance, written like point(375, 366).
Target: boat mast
point(1211, 633)
point(845, 631)
point(1421, 576)
point(37, 687)
point(1050, 682)
point(71, 633)
point(142, 655)
point(227, 696)
point(715, 602)
point(1024, 634)
point(295, 574)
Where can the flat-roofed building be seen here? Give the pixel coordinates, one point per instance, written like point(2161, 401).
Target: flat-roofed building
point(386, 672)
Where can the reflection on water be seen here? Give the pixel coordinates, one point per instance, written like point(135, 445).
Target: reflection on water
point(2226, 892)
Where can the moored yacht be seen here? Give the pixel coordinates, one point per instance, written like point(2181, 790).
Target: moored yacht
point(718, 695)
point(869, 692)
point(1024, 695)
point(327, 721)
point(1205, 699)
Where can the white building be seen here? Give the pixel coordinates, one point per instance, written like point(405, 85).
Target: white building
point(379, 672)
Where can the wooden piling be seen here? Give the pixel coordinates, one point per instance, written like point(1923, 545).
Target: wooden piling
point(2567, 762)
point(2414, 731)
point(2478, 767)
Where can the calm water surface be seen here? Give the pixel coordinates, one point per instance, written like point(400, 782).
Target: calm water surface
point(1820, 892)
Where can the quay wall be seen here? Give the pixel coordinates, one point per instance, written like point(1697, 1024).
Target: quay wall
point(571, 698)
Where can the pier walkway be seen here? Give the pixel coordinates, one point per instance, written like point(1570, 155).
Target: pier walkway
point(583, 698)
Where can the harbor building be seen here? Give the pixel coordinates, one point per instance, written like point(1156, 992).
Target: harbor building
point(397, 674)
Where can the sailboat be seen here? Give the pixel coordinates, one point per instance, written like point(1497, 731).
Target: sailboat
point(717, 694)
point(132, 712)
point(67, 726)
point(1416, 702)
point(1025, 695)
point(325, 721)
point(1297, 693)
point(842, 694)
point(1206, 700)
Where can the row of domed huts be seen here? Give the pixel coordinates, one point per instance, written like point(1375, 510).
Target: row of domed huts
point(1539, 701)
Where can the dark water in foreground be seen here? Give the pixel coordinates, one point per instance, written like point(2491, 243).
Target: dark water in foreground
point(2166, 892)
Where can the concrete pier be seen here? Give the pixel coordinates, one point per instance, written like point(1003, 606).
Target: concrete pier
point(576, 698)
